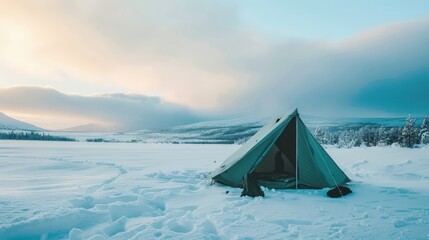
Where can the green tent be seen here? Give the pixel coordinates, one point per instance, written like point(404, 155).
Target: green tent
point(282, 154)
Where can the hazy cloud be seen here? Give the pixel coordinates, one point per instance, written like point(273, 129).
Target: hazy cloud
point(327, 77)
point(181, 51)
point(120, 111)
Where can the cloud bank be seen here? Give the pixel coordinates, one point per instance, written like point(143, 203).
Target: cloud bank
point(338, 77)
point(203, 55)
point(120, 112)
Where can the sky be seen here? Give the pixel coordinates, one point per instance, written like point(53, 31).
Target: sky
point(131, 65)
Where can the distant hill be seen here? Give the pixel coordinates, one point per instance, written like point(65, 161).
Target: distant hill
point(91, 127)
point(9, 123)
point(236, 130)
point(335, 124)
point(240, 129)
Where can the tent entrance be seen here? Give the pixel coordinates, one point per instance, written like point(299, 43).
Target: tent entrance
point(278, 168)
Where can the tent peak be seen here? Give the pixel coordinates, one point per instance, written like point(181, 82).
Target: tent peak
point(295, 112)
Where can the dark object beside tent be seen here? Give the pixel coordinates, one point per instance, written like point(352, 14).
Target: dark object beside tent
point(251, 187)
point(339, 191)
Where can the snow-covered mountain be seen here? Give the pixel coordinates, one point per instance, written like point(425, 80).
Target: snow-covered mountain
point(9, 123)
point(219, 131)
point(90, 127)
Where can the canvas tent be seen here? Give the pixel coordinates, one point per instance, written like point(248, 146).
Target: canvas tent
point(282, 154)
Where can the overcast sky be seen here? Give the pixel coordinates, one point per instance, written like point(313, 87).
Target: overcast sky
point(154, 64)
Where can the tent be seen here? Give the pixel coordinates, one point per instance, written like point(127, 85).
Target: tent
point(282, 154)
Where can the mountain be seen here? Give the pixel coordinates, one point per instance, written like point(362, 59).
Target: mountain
point(90, 127)
point(9, 123)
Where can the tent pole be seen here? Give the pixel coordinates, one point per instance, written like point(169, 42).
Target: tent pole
point(296, 151)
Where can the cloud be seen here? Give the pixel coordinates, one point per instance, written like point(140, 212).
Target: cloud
point(205, 56)
point(331, 78)
point(406, 93)
point(121, 112)
point(179, 51)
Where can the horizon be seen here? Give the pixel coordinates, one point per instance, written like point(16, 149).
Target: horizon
point(312, 121)
point(157, 64)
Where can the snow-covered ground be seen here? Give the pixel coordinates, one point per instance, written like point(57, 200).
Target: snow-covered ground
point(78, 190)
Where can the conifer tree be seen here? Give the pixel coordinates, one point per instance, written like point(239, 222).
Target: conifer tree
point(319, 135)
point(409, 133)
point(382, 136)
point(424, 131)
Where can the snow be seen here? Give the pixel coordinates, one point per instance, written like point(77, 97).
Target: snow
point(79, 190)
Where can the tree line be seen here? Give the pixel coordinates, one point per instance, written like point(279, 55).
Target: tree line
point(408, 135)
point(32, 136)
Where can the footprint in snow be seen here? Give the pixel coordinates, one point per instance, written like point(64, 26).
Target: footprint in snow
point(358, 164)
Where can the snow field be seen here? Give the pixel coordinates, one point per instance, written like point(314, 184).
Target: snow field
point(61, 190)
